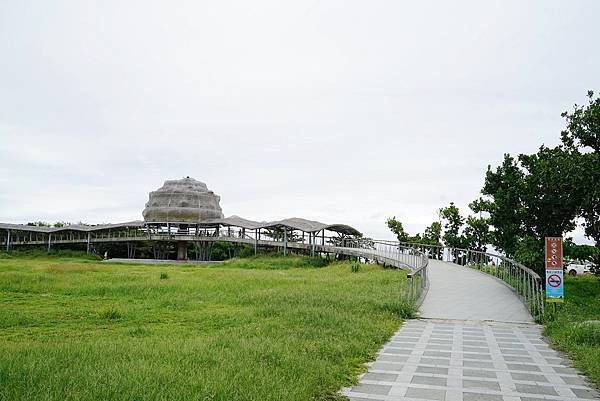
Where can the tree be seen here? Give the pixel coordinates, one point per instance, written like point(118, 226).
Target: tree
point(433, 234)
point(39, 224)
point(452, 226)
point(477, 233)
point(474, 236)
point(502, 190)
point(397, 228)
point(582, 135)
point(583, 125)
point(469, 232)
point(577, 252)
point(551, 192)
point(532, 197)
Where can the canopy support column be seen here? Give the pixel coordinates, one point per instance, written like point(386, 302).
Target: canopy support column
point(49, 241)
point(285, 239)
point(88, 242)
point(7, 240)
point(255, 242)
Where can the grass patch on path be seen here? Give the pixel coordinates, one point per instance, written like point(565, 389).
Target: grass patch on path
point(251, 329)
point(575, 329)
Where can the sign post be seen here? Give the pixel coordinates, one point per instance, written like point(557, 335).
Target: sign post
point(554, 270)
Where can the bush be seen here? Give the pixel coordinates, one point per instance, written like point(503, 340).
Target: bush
point(164, 276)
point(355, 267)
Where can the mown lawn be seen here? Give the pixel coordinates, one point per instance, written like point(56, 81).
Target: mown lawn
point(575, 329)
point(252, 329)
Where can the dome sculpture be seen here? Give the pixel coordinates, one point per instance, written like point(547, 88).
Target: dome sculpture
point(185, 200)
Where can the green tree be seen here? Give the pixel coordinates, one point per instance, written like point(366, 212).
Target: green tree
point(552, 191)
point(397, 228)
point(477, 233)
point(502, 191)
point(577, 252)
point(582, 135)
point(453, 222)
point(532, 197)
point(39, 224)
point(433, 234)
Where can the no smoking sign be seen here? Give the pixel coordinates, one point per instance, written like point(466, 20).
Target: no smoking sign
point(554, 285)
point(554, 280)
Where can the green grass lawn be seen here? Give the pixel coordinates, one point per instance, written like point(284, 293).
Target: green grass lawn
point(575, 329)
point(249, 329)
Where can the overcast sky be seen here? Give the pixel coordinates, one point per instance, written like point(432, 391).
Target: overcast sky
point(337, 111)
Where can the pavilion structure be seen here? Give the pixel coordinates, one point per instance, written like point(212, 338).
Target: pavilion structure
point(184, 211)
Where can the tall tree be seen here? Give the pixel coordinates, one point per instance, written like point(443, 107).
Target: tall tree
point(530, 198)
point(582, 135)
point(552, 191)
point(453, 223)
point(502, 192)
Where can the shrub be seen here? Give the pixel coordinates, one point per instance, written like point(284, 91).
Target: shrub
point(164, 276)
point(355, 267)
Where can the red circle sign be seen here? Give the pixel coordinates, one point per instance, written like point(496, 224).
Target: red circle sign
point(554, 280)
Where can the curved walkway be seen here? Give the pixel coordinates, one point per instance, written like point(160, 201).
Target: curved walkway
point(462, 293)
point(475, 341)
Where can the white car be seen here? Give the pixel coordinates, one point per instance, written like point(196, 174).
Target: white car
point(576, 269)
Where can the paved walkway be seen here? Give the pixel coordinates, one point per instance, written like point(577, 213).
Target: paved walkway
point(458, 292)
point(474, 343)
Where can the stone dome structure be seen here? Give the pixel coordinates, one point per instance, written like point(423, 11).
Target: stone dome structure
point(183, 201)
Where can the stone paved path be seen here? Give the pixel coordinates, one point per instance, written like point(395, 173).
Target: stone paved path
point(467, 359)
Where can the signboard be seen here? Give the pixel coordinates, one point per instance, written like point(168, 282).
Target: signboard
point(554, 253)
point(554, 270)
point(554, 285)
